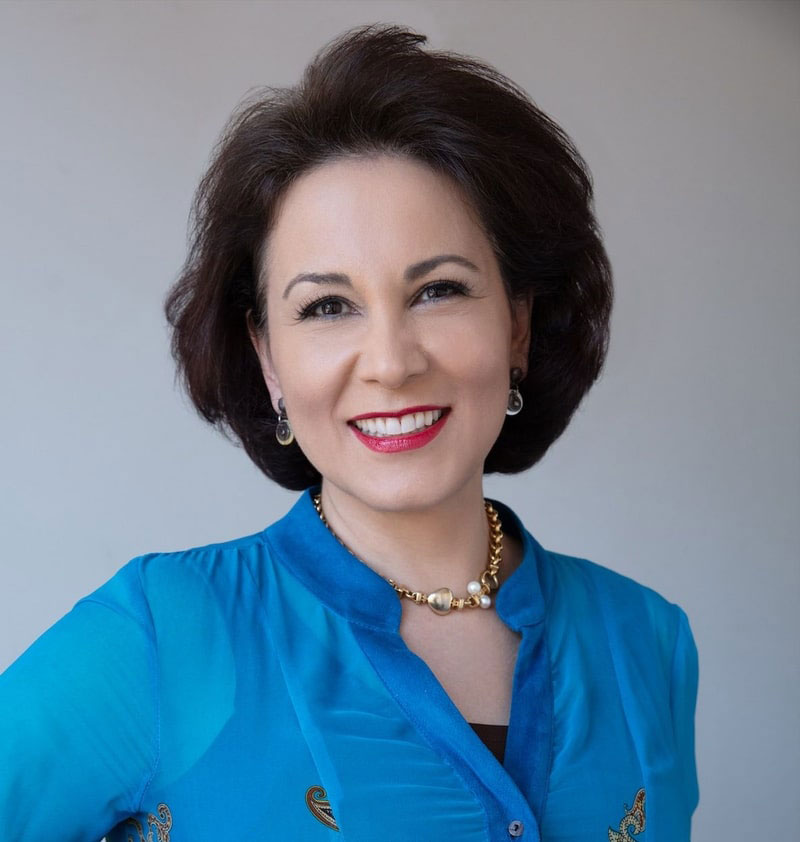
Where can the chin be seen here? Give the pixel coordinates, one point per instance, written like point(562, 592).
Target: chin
point(397, 493)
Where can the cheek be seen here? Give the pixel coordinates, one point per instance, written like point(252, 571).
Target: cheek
point(310, 375)
point(479, 354)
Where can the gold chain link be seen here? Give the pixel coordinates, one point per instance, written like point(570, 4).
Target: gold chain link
point(487, 580)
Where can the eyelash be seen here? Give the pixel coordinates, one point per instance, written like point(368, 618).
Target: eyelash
point(307, 308)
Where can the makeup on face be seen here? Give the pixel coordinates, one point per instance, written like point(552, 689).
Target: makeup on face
point(394, 432)
point(391, 333)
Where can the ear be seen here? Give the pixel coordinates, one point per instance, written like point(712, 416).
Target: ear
point(259, 340)
point(521, 309)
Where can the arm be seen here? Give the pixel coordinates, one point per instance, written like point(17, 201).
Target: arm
point(683, 697)
point(78, 720)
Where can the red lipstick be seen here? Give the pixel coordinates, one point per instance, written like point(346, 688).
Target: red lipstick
point(403, 441)
point(409, 410)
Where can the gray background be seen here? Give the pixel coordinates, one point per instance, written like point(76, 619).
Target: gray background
point(682, 468)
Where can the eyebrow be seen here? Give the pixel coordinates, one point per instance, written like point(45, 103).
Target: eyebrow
point(412, 273)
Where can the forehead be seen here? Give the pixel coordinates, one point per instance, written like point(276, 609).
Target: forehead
point(375, 213)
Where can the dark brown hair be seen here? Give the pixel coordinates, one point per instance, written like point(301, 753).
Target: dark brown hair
point(375, 89)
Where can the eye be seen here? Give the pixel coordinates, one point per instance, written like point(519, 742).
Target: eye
point(443, 289)
point(323, 308)
point(332, 307)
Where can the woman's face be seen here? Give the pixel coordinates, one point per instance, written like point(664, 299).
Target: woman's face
point(390, 334)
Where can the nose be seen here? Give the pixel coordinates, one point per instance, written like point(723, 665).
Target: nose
point(392, 352)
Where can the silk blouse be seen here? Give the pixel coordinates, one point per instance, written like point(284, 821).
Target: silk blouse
point(259, 689)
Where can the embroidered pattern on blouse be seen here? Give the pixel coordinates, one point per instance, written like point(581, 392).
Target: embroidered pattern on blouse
point(633, 819)
point(317, 802)
point(161, 824)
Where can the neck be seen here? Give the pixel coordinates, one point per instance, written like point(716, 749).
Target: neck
point(441, 545)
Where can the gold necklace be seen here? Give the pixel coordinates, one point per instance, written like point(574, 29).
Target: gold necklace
point(442, 600)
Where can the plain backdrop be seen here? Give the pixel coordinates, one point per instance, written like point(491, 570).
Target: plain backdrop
point(682, 467)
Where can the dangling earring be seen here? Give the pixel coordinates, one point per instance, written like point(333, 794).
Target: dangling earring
point(283, 432)
point(514, 397)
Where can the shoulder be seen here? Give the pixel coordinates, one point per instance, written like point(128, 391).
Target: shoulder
point(566, 576)
point(584, 599)
point(586, 596)
point(197, 609)
point(179, 582)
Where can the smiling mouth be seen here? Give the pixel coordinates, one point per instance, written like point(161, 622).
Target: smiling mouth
point(384, 426)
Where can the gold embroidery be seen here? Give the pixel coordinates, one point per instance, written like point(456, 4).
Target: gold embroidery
point(320, 807)
point(160, 823)
point(634, 819)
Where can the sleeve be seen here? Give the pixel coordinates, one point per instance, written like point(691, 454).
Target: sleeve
point(78, 720)
point(683, 698)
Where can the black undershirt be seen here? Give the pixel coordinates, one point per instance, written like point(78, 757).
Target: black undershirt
point(493, 737)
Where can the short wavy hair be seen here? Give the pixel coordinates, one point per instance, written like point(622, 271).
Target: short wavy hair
point(376, 89)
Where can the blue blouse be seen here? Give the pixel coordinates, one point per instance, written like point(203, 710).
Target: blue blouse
point(259, 689)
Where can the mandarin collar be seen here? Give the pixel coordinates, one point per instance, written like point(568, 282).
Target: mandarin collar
point(310, 551)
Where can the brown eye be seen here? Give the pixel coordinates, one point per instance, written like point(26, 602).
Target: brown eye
point(324, 308)
point(328, 308)
point(442, 289)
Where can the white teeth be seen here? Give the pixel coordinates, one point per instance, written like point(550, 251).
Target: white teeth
point(394, 426)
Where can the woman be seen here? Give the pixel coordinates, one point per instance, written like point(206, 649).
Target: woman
point(396, 285)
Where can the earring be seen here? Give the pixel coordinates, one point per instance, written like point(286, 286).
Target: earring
point(514, 396)
point(283, 432)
